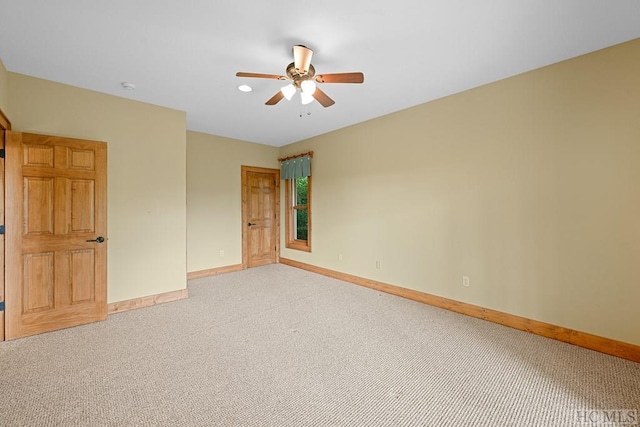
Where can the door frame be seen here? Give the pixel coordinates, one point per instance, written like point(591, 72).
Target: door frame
point(245, 213)
point(5, 124)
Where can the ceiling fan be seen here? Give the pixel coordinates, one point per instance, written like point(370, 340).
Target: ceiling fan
point(303, 77)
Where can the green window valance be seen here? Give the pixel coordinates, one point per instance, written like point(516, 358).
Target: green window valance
point(296, 167)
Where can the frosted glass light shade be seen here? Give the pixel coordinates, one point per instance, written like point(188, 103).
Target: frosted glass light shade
point(308, 86)
point(288, 91)
point(306, 98)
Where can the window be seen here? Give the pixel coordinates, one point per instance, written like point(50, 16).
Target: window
point(296, 171)
point(298, 214)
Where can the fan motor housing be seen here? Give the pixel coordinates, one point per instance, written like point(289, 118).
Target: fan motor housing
point(298, 78)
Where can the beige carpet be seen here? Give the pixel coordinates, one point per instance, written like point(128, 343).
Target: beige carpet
point(278, 346)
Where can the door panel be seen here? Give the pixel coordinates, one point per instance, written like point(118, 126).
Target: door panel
point(82, 264)
point(56, 271)
point(38, 284)
point(81, 215)
point(38, 206)
point(260, 208)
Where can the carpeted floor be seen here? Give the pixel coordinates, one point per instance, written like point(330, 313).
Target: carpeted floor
point(278, 346)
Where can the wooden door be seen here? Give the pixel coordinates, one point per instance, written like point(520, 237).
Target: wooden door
point(56, 213)
point(260, 213)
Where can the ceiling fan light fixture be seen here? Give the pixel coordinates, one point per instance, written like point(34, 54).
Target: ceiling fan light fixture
point(308, 87)
point(302, 75)
point(306, 98)
point(288, 91)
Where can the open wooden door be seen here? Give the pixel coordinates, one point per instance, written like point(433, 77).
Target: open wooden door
point(260, 213)
point(56, 224)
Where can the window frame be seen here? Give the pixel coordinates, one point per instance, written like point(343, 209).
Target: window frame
point(290, 214)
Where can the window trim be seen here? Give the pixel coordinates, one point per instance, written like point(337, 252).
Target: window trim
point(290, 241)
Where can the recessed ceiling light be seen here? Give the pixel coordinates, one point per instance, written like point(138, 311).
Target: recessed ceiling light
point(128, 86)
point(245, 88)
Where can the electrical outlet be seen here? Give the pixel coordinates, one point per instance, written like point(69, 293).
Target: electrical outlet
point(221, 252)
point(465, 281)
point(378, 265)
point(339, 257)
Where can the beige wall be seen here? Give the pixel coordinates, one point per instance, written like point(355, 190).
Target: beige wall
point(146, 176)
point(529, 186)
point(214, 203)
point(4, 96)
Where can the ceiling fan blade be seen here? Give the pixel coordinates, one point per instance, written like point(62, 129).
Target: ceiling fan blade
point(275, 98)
point(302, 58)
point(340, 78)
point(323, 98)
point(260, 76)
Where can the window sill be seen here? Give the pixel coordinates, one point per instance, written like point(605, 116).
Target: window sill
point(299, 245)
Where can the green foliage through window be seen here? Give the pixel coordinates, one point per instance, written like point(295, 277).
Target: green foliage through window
point(302, 229)
point(301, 215)
point(302, 190)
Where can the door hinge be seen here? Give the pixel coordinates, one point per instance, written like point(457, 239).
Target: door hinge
point(1, 305)
point(1, 153)
point(2, 229)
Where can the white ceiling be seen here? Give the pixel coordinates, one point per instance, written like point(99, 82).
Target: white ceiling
point(184, 54)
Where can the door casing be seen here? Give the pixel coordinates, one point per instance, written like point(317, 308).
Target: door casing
point(5, 125)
